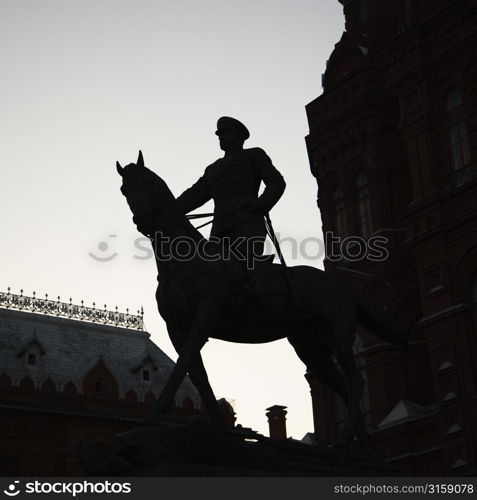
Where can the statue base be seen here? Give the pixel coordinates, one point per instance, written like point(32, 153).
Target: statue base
point(199, 450)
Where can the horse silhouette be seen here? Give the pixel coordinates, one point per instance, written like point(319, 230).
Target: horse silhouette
point(197, 302)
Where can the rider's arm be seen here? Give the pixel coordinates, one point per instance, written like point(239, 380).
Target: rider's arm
point(195, 196)
point(273, 180)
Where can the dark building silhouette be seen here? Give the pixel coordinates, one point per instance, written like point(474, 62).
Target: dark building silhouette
point(393, 147)
point(69, 372)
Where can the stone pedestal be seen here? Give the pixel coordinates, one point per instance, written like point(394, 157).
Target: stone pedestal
point(200, 450)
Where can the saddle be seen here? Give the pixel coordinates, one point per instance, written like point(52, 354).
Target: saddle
point(263, 281)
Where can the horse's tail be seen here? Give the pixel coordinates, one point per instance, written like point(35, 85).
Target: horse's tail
point(375, 319)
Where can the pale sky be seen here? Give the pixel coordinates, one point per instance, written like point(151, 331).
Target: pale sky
point(88, 82)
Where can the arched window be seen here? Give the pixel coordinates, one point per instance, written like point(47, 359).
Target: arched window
point(458, 138)
point(364, 206)
point(339, 213)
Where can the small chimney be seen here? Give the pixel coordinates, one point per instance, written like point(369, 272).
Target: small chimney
point(277, 421)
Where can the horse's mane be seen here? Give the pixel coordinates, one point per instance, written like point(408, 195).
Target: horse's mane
point(163, 196)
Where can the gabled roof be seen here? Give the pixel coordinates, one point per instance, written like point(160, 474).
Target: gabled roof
point(71, 348)
point(405, 411)
point(32, 342)
point(142, 360)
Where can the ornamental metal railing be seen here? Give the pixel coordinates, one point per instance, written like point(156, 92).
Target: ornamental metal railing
point(69, 310)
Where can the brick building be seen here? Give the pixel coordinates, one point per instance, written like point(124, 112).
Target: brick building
point(70, 372)
point(393, 147)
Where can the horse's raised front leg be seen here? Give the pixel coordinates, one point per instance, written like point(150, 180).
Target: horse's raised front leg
point(205, 320)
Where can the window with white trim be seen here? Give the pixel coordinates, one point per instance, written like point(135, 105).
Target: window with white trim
point(473, 298)
point(405, 15)
point(339, 208)
point(458, 137)
point(364, 206)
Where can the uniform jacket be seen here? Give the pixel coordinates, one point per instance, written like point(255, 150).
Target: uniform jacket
point(233, 183)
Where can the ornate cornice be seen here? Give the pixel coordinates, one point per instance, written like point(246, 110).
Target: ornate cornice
point(69, 310)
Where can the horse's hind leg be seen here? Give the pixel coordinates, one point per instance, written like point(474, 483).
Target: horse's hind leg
point(345, 357)
point(318, 359)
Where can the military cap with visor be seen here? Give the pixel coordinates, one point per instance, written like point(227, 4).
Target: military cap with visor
point(226, 122)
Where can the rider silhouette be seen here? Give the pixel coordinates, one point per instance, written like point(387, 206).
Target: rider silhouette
point(233, 183)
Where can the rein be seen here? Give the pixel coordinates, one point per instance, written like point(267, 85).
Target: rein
point(276, 244)
point(201, 216)
point(271, 234)
point(188, 217)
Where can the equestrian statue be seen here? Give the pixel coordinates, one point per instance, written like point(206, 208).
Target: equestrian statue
point(240, 295)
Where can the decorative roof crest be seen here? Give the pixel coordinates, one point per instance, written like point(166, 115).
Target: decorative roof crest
point(69, 310)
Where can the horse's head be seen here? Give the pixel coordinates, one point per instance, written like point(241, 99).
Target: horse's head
point(140, 187)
